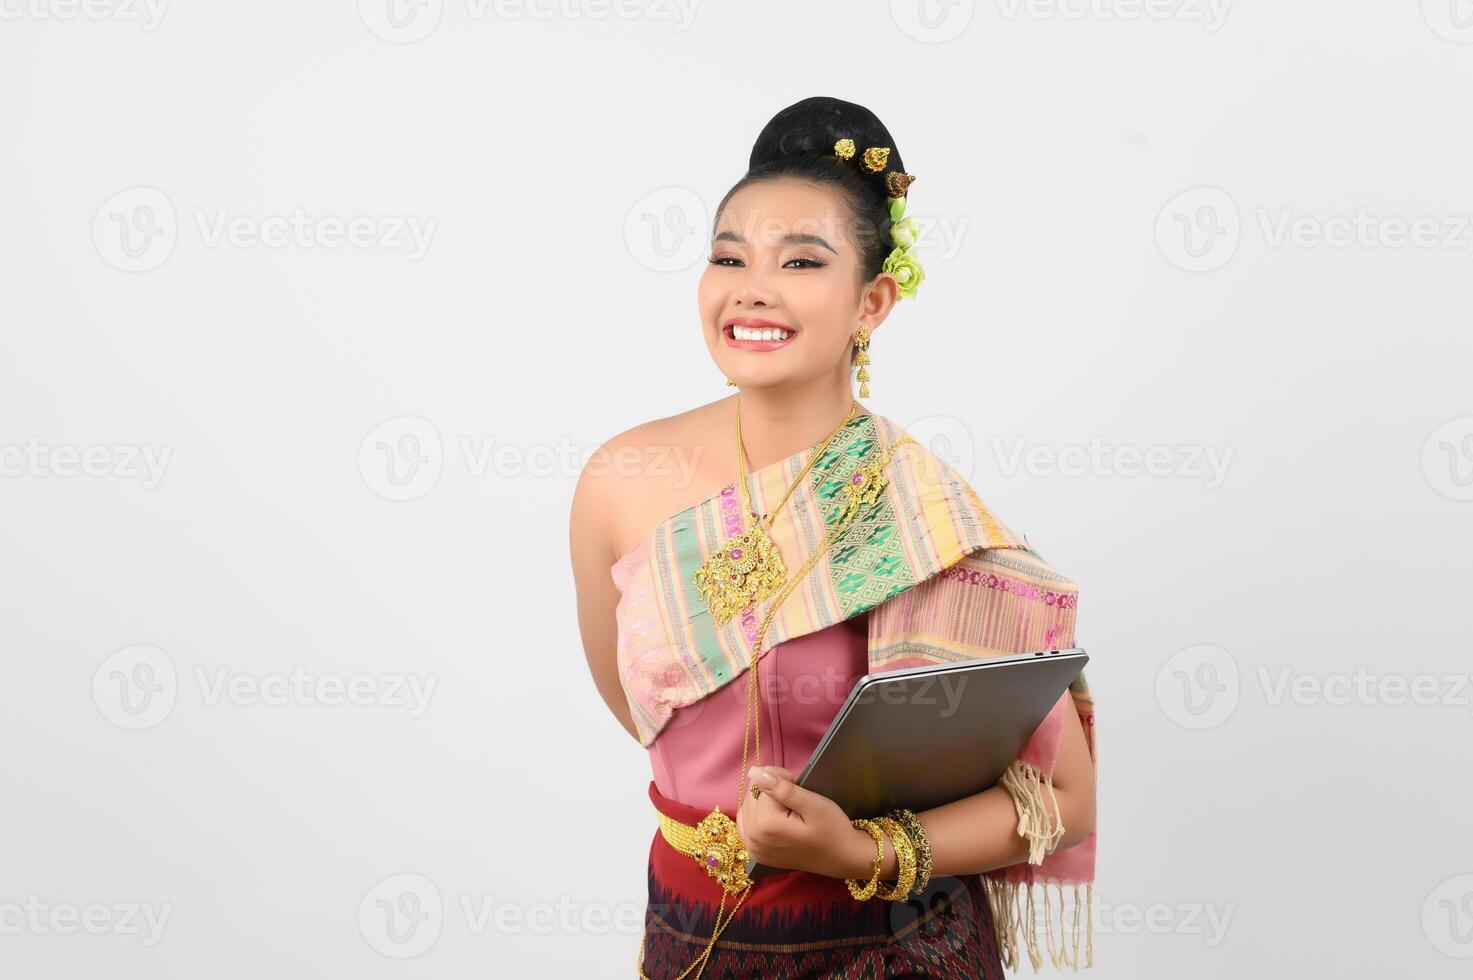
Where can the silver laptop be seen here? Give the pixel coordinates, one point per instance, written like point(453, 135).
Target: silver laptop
point(925, 736)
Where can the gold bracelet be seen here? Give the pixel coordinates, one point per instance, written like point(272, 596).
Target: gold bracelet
point(865, 890)
point(912, 824)
point(905, 855)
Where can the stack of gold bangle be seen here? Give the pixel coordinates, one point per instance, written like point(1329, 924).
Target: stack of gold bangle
point(912, 854)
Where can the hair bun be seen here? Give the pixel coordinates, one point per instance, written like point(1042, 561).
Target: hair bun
point(812, 127)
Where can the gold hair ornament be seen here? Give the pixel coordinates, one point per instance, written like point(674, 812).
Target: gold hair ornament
point(902, 262)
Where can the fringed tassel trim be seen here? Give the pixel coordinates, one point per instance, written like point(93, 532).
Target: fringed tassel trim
point(1026, 784)
point(1014, 912)
point(1015, 921)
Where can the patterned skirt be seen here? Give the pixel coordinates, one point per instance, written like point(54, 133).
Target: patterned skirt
point(795, 924)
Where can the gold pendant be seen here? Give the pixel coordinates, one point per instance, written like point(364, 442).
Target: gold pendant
point(864, 486)
point(747, 568)
point(719, 849)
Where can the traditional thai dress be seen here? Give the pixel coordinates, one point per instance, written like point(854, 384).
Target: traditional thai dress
point(919, 573)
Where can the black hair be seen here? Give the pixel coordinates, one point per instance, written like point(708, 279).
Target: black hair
point(799, 142)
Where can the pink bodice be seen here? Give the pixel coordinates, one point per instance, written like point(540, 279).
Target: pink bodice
point(802, 681)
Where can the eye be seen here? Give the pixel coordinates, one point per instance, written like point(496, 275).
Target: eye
point(723, 259)
point(810, 263)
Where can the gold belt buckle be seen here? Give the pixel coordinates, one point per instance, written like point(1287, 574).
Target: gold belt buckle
point(714, 844)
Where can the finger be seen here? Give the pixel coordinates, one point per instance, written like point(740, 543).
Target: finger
point(784, 789)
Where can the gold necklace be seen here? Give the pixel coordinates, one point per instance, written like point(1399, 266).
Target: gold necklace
point(863, 487)
point(747, 567)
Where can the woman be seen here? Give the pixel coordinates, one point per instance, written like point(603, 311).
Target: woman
point(725, 627)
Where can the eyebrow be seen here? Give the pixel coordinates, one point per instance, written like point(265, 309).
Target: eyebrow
point(794, 238)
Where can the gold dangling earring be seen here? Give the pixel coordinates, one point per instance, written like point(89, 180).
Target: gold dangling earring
point(861, 358)
point(731, 383)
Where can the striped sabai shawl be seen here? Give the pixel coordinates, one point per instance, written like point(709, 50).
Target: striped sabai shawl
point(942, 580)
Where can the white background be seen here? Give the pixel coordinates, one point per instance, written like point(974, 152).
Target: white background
point(1136, 225)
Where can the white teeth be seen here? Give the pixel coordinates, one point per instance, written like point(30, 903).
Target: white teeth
point(762, 333)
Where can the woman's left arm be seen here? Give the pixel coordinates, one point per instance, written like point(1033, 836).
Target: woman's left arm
point(980, 832)
point(791, 827)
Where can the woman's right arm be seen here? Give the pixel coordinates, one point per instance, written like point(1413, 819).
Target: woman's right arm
point(589, 543)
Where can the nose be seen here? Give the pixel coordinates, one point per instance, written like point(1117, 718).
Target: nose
point(754, 292)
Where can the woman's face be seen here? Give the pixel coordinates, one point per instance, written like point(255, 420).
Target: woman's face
point(782, 259)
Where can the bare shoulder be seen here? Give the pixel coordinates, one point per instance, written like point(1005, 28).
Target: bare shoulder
point(642, 475)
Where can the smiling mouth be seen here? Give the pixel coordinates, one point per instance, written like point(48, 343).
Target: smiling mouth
point(757, 338)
